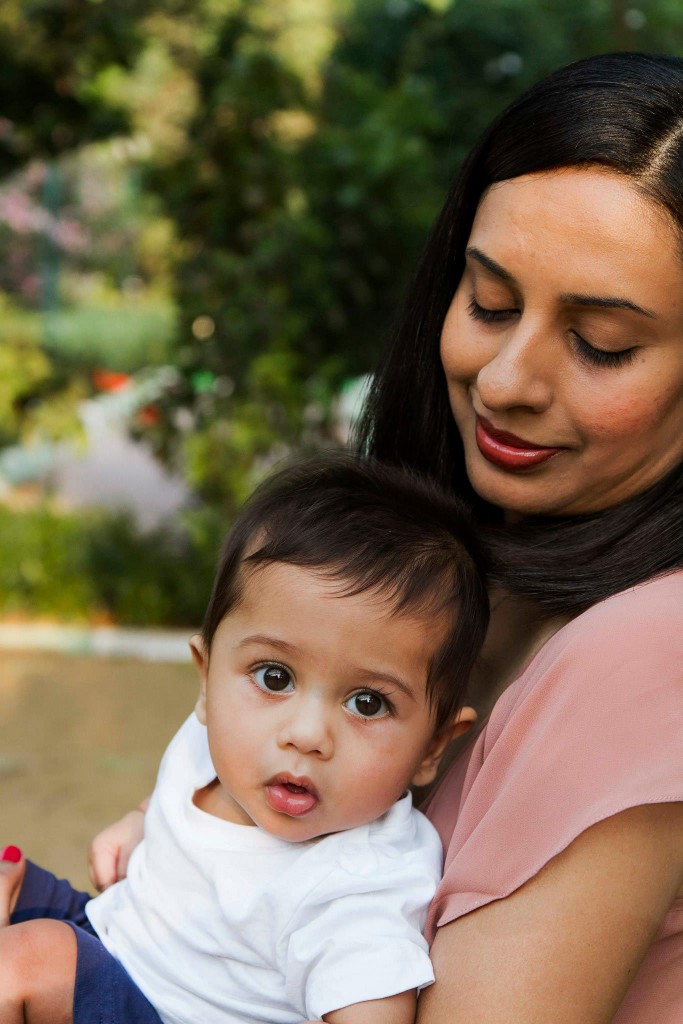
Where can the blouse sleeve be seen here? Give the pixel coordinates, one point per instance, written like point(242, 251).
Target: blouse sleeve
point(593, 726)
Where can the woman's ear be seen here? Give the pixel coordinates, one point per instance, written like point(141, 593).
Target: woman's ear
point(201, 659)
point(458, 726)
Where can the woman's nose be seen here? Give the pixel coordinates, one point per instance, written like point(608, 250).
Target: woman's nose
point(307, 728)
point(520, 372)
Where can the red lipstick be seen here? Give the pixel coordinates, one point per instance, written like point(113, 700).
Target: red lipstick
point(509, 451)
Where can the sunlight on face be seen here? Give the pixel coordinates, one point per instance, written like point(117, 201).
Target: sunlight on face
point(563, 345)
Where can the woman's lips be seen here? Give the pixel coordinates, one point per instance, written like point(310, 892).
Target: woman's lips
point(509, 451)
point(291, 794)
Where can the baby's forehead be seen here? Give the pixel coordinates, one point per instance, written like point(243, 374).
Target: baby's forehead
point(373, 596)
point(304, 599)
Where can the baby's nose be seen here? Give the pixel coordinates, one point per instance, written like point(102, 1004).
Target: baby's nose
point(308, 729)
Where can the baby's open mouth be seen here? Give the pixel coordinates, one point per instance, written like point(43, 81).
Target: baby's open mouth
point(291, 795)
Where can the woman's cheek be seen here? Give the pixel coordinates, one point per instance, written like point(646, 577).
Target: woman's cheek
point(461, 358)
point(623, 416)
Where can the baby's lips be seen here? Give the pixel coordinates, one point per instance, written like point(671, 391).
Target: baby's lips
point(282, 799)
point(12, 854)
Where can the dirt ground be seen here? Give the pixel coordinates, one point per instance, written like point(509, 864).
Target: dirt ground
point(80, 742)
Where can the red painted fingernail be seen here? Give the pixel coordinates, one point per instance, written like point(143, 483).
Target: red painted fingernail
point(11, 853)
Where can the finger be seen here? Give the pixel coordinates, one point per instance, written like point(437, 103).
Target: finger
point(12, 869)
point(102, 866)
point(122, 863)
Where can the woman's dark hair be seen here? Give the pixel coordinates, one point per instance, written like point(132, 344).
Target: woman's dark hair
point(373, 528)
point(623, 111)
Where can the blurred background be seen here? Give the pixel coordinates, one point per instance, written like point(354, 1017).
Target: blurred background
point(209, 210)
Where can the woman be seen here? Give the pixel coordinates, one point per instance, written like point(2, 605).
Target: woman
point(554, 404)
point(538, 371)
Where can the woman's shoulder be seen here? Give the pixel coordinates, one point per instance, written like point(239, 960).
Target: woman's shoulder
point(596, 701)
point(593, 726)
point(656, 603)
point(637, 629)
point(619, 659)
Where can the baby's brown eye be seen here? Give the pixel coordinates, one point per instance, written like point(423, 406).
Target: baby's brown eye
point(367, 704)
point(273, 678)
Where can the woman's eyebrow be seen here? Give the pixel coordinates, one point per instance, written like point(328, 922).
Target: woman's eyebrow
point(571, 298)
point(490, 264)
point(606, 303)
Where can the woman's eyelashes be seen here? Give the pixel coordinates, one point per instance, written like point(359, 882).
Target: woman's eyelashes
point(586, 352)
point(489, 316)
point(601, 356)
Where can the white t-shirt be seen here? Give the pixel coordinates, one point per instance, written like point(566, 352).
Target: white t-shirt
point(220, 923)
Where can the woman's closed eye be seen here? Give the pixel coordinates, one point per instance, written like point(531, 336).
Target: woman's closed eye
point(273, 678)
point(489, 316)
point(586, 352)
point(601, 356)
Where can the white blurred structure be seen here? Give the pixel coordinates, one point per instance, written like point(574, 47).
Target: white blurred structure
point(115, 472)
point(111, 470)
point(349, 406)
point(105, 641)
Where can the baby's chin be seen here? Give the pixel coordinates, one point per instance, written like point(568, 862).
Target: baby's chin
point(297, 831)
point(306, 829)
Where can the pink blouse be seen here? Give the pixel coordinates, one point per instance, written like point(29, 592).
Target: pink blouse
point(594, 725)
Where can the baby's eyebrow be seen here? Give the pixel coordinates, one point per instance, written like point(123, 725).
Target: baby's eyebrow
point(269, 641)
point(387, 677)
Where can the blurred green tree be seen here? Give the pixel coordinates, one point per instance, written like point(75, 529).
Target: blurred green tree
point(302, 200)
point(277, 165)
point(52, 54)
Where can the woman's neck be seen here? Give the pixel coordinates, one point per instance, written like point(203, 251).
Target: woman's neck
point(517, 632)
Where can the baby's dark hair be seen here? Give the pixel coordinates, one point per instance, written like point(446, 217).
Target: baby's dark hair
point(373, 528)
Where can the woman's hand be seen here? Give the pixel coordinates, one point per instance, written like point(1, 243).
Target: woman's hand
point(565, 947)
point(110, 850)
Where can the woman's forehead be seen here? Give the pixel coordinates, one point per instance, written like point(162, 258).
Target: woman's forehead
point(585, 227)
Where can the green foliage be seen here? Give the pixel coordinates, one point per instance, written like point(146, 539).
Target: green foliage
point(99, 567)
point(23, 369)
point(121, 338)
point(35, 398)
point(271, 172)
point(42, 568)
point(50, 54)
point(472, 59)
point(301, 210)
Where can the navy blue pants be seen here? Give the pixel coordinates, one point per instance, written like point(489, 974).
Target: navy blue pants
point(104, 994)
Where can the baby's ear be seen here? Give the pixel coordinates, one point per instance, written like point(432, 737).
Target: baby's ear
point(427, 769)
point(201, 659)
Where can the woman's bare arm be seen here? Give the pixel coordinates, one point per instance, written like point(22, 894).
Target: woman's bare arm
point(564, 948)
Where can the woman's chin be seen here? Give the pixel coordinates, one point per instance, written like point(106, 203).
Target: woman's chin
point(524, 493)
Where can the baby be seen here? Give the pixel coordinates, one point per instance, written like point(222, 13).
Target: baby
point(284, 873)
